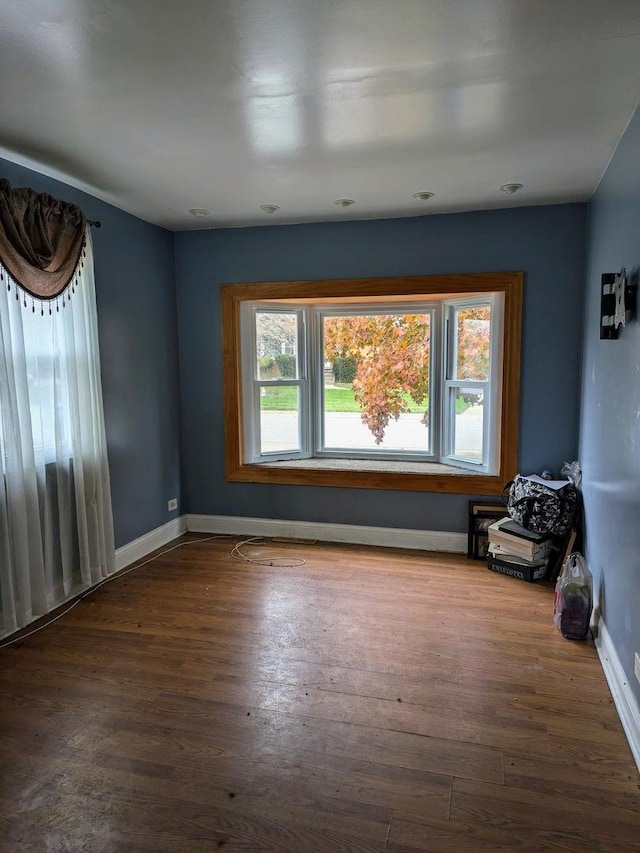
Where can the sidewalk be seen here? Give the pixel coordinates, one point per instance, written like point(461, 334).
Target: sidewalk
point(345, 430)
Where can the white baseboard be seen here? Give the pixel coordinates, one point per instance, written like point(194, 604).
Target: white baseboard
point(625, 701)
point(355, 534)
point(144, 545)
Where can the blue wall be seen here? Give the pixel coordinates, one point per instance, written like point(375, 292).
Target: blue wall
point(135, 293)
point(547, 243)
point(610, 424)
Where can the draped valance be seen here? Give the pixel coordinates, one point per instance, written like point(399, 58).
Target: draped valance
point(41, 241)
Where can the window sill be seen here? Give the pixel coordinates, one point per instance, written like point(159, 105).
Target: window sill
point(370, 474)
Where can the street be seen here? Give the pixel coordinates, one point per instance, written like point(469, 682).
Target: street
point(345, 430)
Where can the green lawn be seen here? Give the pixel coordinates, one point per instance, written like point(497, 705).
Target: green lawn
point(335, 400)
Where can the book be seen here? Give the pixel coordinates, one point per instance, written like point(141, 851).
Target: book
point(525, 571)
point(517, 545)
point(500, 553)
point(515, 529)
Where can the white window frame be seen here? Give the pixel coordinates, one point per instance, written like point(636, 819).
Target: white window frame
point(252, 384)
point(491, 387)
point(318, 314)
point(310, 381)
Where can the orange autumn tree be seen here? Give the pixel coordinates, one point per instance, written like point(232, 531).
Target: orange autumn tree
point(473, 342)
point(392, 356)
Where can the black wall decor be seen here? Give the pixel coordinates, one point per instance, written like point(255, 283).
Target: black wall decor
point(617, 303)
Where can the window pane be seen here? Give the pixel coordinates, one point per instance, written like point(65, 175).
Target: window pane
point(473, 327)
point(468, 423)
point(276, 345)
point(279, 419)
point(376, 382)
point(48, 366)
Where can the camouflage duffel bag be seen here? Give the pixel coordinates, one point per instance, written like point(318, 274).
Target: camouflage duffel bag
point(541, 508)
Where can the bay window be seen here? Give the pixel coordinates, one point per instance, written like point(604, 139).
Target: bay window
point(385, 383)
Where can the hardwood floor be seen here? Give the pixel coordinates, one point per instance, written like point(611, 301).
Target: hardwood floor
point(370, 700)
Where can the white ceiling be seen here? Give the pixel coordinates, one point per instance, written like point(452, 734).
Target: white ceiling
point(159, 106)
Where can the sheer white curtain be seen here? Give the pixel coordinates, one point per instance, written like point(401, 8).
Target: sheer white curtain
point(56, 526)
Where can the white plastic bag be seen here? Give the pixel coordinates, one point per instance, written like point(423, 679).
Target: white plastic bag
point(573, 598)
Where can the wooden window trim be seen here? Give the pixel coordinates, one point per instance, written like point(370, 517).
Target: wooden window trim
point(509, 283)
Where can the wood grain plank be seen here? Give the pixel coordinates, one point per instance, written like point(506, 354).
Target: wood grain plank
point(409, 834)
point(567, 819)
point(364, 701)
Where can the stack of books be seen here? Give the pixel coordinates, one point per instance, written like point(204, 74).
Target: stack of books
point(516, 551)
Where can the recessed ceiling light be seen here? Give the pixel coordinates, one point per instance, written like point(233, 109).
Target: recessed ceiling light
point(269, 208)
point(510, 189)
point(423, 196)
point(344, 202)
point(199, 211)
